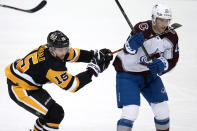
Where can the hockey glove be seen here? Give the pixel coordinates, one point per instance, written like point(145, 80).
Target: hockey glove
point(95, 66)
point(100, 61)
point(107, 56)
point(158, 65)
point(134, 42)
point(99, 54)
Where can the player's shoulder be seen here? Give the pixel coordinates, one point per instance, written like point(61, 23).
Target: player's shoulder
point(171, 35)
point(145, 27)
point(42, 52)
point(72, 55)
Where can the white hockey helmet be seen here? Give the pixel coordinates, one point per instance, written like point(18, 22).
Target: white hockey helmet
point(161, 11)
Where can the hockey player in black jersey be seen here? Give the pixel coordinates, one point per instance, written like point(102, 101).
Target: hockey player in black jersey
point(26, 76)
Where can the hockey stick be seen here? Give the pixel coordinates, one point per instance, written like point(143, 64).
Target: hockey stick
point(132, 29)
point(172, 27)
point(38, 7)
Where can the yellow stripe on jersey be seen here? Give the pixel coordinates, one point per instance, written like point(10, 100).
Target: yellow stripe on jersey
point(21, 95)
point(77, 80)
point(35, 49)
point(39, 122)
point(77, 52)
point(20, 82)
point(35, 129)
point(63, 79)
point(53, 125)
point(73, 55)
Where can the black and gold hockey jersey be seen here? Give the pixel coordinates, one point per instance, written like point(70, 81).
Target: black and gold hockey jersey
point(40, 67)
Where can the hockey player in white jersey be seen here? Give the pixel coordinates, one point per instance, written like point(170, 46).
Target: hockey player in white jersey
point(135, 74)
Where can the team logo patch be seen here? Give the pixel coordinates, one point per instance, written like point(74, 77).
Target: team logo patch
point(143, 26)
point(144, 60)
point(63, 38)
point(53, 37)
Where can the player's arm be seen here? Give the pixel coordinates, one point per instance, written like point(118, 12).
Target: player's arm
point(167, 59)
point(136, 40)
point(69, 82)
point(172, 54)
point(79, 55)
point(73, 83)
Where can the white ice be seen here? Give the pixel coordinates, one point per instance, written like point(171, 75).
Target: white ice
point(95, 24)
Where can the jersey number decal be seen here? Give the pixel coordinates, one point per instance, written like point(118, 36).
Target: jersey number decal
point(63, 77)
point(23, 64)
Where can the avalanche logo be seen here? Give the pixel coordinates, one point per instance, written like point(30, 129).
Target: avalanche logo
point(144, 60)
point(143, 26)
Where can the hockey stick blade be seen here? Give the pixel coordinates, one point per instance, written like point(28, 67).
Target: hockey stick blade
point(38, 7)
point(176, 25)
point(173, 27)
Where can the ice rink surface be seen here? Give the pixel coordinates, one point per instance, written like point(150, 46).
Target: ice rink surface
point(95, 24)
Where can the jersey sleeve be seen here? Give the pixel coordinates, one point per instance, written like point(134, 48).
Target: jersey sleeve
point(73, 55)
point(68, 82)
point(174, 51)
point(144, 27)
point(78, 55)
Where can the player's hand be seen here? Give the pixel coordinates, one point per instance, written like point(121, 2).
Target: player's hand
point(103, 54)
point(99, 54)
point(95, 66)
point(158, 65)
point(134, 42)
point(100, 61)
point(107, 56)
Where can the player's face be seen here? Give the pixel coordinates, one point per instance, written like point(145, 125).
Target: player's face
point(161, 25)
point(61, 52)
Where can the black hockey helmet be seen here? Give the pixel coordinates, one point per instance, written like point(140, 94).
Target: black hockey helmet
point(57, 39)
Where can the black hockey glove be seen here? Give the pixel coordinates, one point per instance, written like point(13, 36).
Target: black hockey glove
point(103, 54)
point(95, 66)
point(107, 56)
point(100, 61)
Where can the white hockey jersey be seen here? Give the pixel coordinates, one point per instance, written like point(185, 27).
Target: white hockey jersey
point(165, 46)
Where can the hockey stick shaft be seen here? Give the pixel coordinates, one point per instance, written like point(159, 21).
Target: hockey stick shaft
point(173, 27)
point(132, 28)
point(38, 7)
point(125, 15)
